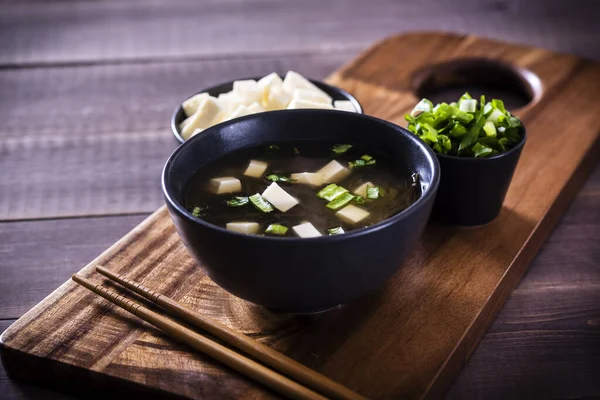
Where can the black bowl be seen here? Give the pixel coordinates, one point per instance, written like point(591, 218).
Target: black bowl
point(179, 116)
point(293, 274)
point(473, 189)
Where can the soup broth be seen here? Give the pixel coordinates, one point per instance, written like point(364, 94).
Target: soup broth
point(396, 189)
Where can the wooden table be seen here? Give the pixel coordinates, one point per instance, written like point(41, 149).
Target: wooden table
point(86, 90)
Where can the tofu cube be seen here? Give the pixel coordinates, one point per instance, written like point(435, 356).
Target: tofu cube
point(294, 80)
point(208, 111)
point(267, 84)
point(308, 178)
point(226, 184)
point(278, 99)
point(256, 168)
point(306, 230)
point(333, 172)
point(344, 105)
point(279, 198)
point(241, 111)
point(248, 91)
point(255, 108)
point(243, 227)
point(229, 102)
point(362, 189)
point(297, 104)
point(311, 95)
point(352, 214)
point(190, 106)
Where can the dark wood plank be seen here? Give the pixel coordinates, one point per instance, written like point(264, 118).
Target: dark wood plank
point(544, 344)
point(389, 344)
point(15, 390)
point(71, 150)
point(37, 256)
point(37, 32)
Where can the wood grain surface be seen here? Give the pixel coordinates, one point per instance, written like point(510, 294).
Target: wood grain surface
point(414, 334)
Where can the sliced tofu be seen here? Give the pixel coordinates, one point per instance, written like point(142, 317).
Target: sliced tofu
point(308, 178)
point(279, 198)
point(241, 111)
point(306, 230)
point(256, 168)
point(229, 102)
point(255, 108)
point(267, 84)
point(204, 117)
point(191, 105)
point(352, 214)
point(278, 99)
point(333, 172)
point(294, 80)
point(311, 95)
point(248, 91)
point(226, 184)
point(362, 189)
point(297, 104)
point(243, 227)
point(344, 105)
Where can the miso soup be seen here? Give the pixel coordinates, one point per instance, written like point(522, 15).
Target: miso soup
point(302, 189)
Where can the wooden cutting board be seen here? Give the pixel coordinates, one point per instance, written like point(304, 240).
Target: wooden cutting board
point(410, 338)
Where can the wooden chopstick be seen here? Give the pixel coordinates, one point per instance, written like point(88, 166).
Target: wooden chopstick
point(259, 351)
point(220, 353)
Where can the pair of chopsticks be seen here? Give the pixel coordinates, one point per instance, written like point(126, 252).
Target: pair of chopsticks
point(291, 375)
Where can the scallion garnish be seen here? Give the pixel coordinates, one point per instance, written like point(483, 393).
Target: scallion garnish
point(362, 162)
point(276, 229)
point(340, 201)
point(279, 178)
point(260, 203)
point(200, 211)
point(238, 201)
point(465, 128)
point(336, 231)
point(340, 149)
point(331, 191)
point(359, 200)
point(375, 192)
point(296, 151)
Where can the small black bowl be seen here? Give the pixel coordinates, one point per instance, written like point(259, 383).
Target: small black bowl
point(293, 274)
point(179, 116)
point(472, 190)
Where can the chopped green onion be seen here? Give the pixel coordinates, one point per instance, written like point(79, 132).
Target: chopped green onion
point(375, 192)
point(372, 162)
point(336, 231)
point(279, 178)
point(468, 105)
point(357, 163)
point(340, 149)
point(237, 201)
point(331, 191)
point(423, 106)
point(260, 203)
point(366, 157)
point(273, 147)
point(489, 129)
point(296, 151)
point(276, 229)
point(359, 200)
point(200, 211)
point(456, 128)
point(340, 201)
point(481, 150)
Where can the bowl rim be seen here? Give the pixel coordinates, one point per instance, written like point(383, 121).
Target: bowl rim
point(179, 108)
point(428, 195)
point(516, 148)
